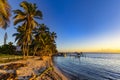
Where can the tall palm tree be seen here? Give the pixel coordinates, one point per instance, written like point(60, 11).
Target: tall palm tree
point(45, 38)
point(21, 39)
point(5, 13)
point(53, 43)
point(28, 19)
point(53, 37)
point(39, 38)
point(5, 38)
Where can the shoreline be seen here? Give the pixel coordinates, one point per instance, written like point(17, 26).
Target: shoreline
point(63, 76)
point(30, 68)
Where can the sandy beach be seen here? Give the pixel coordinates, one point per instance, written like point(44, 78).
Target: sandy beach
point(30, 68)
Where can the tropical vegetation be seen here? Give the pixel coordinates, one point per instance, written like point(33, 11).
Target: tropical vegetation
point(43, 42)
point(5, 13)
point(8, 49)
point(31, 36)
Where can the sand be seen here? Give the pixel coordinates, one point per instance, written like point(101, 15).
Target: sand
point(33, 66)
point(60, 73)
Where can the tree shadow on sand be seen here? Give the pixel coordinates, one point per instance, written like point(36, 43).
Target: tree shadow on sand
point(10, 70)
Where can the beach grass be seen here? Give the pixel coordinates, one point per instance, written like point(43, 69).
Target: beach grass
point(8, 58)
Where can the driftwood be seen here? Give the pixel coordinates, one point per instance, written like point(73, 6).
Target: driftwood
point(49, 73)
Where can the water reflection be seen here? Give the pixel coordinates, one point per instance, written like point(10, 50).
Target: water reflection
point(91, 67)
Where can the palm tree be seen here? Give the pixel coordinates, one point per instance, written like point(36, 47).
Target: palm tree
point(53, 43)
point(28, 19)
point(5, 38)
point(53, 35)
point(38, 42)
point(35, 45)
point(45, 39)
point(21, 39)
point(5, 14)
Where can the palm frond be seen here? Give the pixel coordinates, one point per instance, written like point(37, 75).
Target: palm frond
point(5, 13)
point(25, 6)
point(38, 14)
point(18, 12)
point(16, 21)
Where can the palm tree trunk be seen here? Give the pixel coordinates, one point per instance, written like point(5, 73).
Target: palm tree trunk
point(27, 51)
point(34, 52)
point(23, 51)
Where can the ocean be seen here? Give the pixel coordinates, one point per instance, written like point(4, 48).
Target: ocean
point(91, 66)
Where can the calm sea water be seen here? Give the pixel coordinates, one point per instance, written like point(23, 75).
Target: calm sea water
point(90, 67)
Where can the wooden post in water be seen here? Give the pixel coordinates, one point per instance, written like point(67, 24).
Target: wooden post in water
point(64, 54)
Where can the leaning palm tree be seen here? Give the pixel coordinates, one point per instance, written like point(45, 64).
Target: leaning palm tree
point(28, 19)
point(5, 14)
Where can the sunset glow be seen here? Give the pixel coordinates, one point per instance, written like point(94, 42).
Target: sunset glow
point(81, 25)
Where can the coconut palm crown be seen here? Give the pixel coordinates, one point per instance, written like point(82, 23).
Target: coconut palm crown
point(5, 13)
point(27, 17)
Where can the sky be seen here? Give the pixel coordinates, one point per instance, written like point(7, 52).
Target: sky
point(81, 25)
